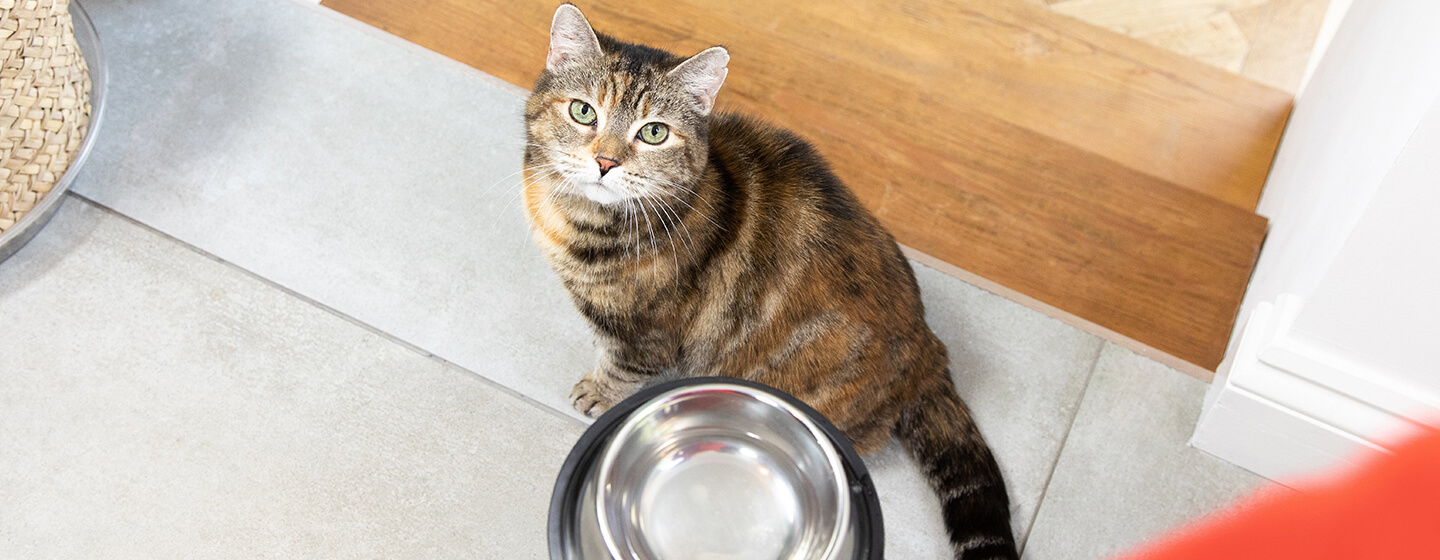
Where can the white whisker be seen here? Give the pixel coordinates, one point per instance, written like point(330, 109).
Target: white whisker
point(635, 227)
point(517, 195)
point(522, 170)
point(674, 253)
point(650, 232)
point(682, 201)
point(675, 219)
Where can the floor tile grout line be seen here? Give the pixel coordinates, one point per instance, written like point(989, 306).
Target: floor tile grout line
point(331, 310)
point(1064, 442)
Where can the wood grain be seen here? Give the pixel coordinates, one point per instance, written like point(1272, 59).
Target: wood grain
point(1020, 145)
point(1146, 16)
point(1216, 40)
point(1146, 108)
point(1283, 36)
point(1269, 41)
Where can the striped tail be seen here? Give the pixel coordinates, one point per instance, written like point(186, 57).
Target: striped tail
point(937, 430)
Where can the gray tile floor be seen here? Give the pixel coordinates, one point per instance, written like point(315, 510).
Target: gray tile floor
point(294, 311)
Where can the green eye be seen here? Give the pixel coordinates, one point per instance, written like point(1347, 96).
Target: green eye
point(582, 112)
point(654, 133)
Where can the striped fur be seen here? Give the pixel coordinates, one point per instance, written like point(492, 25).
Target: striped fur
point(733, 250)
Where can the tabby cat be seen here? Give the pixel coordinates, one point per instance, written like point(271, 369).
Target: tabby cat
point(705, 243)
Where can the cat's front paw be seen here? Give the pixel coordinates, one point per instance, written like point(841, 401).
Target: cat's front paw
point(590, 397)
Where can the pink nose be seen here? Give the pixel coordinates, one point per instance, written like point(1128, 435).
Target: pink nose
point(606, 164)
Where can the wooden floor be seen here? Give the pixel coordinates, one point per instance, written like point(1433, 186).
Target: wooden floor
point(1101, 176)
point(1266, 40)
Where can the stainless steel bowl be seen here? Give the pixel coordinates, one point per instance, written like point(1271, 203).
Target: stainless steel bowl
point(721, 471)
point(85, 38)
point(714, 468)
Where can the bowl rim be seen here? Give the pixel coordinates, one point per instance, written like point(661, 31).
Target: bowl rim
point(840, 485)
point(562, 525)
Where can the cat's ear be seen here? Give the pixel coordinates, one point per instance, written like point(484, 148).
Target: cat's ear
point(571, 38)
point(702, 75)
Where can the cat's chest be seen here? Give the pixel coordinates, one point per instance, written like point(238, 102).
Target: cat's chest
point(610, 294)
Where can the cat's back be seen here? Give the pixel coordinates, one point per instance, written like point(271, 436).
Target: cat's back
point(791, 208)
point(766, 152)
point(785, 179)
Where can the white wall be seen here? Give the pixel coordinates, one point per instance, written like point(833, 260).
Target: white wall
point(1379, 76)
point(1379, 303)
point(1334, 14)
point(1333, 347)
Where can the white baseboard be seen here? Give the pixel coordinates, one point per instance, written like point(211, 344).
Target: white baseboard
point(1289, 408)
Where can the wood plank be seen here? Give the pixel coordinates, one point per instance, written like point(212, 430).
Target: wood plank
point(1155, 111)
point(1278, 35)
point(1216, 40)
point(1146, 16)
point(974, 179)
point(1247, 19)
point(1280, 45)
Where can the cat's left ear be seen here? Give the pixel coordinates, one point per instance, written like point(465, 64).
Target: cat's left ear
point(702, 75)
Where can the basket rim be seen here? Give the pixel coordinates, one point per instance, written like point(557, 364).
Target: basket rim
point(88, 41)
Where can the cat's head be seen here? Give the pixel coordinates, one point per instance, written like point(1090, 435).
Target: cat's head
point(611, 121)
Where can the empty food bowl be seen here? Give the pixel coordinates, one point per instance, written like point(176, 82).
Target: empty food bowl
point(714, 468)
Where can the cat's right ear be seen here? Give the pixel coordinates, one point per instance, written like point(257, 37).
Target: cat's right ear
point(571, 38)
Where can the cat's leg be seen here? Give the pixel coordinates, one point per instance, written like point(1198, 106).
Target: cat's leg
point(617, 375)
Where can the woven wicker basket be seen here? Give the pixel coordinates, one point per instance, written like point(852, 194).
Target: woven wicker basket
point(45, 109)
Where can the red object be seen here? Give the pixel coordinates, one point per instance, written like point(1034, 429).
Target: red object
point(1387, 509)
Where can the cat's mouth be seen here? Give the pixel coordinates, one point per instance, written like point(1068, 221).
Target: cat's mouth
point(601, 193)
